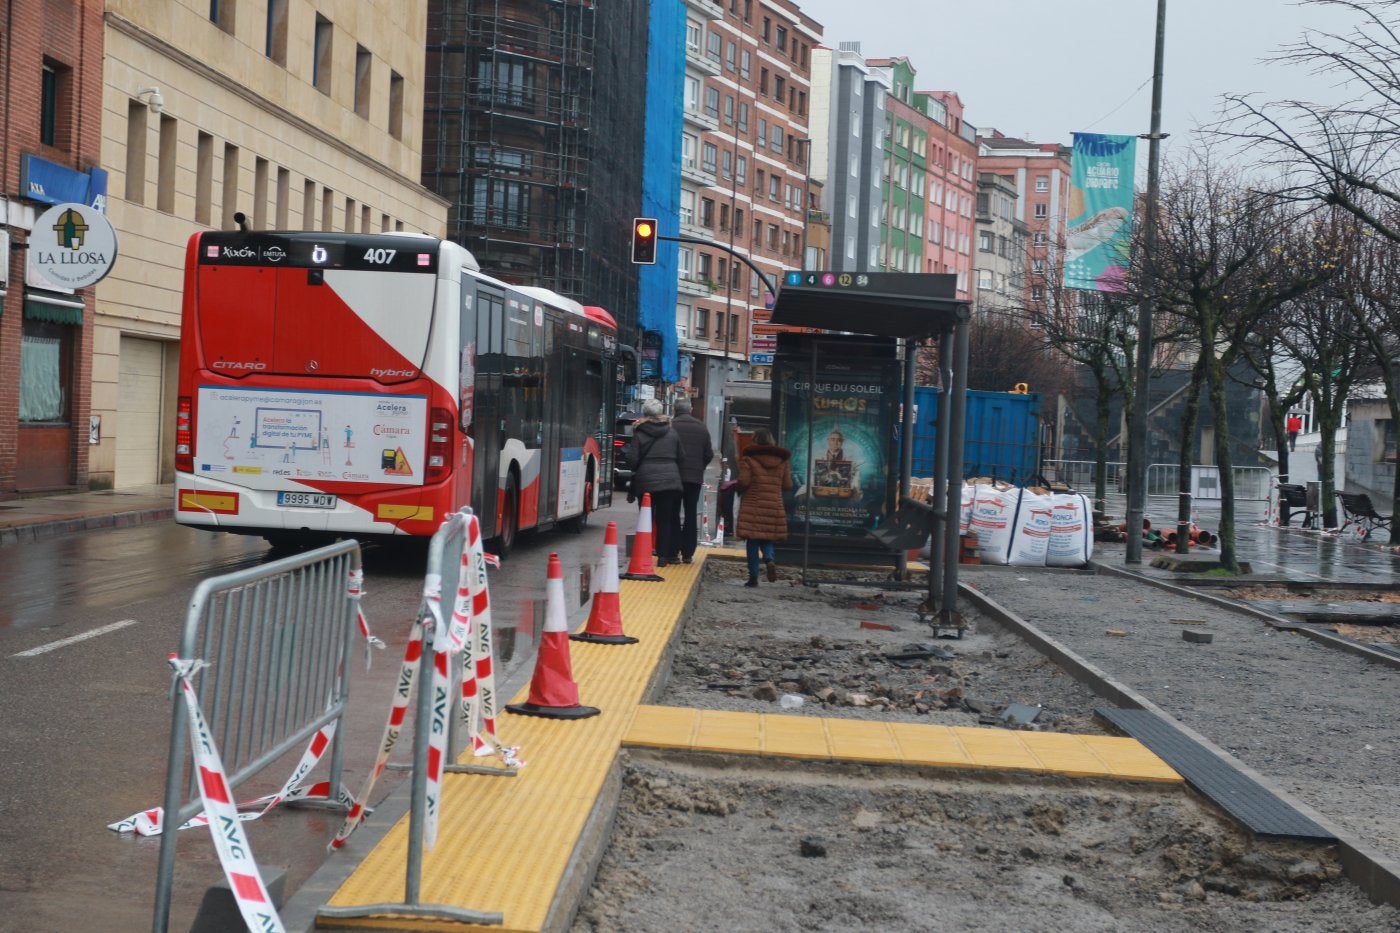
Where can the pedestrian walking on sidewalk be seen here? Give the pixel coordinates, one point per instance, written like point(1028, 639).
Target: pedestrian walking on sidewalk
point(695, 441)
point(656, 456)
point(1293, 426)
point(765, 473)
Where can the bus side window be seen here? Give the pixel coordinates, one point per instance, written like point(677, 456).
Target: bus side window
point(467, 375)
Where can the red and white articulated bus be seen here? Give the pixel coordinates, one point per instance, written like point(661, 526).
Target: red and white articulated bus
point(369, 384)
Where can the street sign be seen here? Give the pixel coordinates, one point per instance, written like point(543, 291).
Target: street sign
point(72, 246)
point(761, 359)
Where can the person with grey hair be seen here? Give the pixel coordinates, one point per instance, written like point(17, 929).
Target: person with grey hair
point(656, 455)
point(695, 439)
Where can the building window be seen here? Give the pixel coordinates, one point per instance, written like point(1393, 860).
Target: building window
point(779, 89)
point(284, 191)
point(984, 241)
point(136, 116)
point(763, 81)
point(221, 14)
point(1039, 238)
point(743, 117)
point(724, 217)
point(775, 187)
point(203, 178)
point(1037, 293)
point(363, 69)
point(275, 46)
point(166, 164)
point(1042, 211)
point(260, 180)
point(719, 325)
point(730, 54)
point(744, 68)
point(712, 45)
point(230, 192)
point(707, 212)
point(1038, 266)
point(702, 322)
point(396, 105)
point(781, 39)
point(692, 36)
point(762, 133)
point(709, 156)
point(687, 207)
point(741, 169)
point(729, 110)
point(767, 27)
point(1042, 183)
point(728, 164)
point(56, 105)
point(712, 102)
point(321, 56)
point(777, 142)
point(45, 359)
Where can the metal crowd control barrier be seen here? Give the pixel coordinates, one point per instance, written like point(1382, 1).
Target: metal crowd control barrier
point(1163, 480)
point(1079, 474)
point(444, 562)
point(278, 640)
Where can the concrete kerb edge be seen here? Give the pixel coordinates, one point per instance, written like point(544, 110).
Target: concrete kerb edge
point(1376, 875)
point(22, 534)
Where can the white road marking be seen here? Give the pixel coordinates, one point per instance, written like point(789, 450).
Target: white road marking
point(64, 642)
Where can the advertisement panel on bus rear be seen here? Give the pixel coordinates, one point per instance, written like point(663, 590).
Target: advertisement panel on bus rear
point(262, 438)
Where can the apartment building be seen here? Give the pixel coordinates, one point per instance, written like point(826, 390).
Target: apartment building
point(848, 128)
point(50, 84)
point(952, 188)
point(745, 152)
point(300, 114)
point(1039, 172)
point(534, 134)
point(999, 264)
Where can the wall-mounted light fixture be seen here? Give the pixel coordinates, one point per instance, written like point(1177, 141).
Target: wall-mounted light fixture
point(154, 101)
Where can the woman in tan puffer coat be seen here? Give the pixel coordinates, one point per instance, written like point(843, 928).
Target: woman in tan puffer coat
point(764, 475)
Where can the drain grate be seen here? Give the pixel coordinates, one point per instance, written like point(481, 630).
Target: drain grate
point(1261, 811)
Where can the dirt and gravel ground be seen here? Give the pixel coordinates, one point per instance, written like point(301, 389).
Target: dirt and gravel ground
point(710, 843)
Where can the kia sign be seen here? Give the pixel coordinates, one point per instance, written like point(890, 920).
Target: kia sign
point(71, 246)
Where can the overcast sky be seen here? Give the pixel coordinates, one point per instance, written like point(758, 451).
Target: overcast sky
point(1043, 69)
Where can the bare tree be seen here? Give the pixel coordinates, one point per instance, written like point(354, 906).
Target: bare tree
point(1222, 264)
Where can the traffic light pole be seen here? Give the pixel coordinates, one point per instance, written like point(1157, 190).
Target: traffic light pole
point(772, 289)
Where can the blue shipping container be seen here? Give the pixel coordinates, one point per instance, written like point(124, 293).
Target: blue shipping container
point(1001, 439)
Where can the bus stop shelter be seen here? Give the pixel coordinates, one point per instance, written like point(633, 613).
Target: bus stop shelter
point(843, 318)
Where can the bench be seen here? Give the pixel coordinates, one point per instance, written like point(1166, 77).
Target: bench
point(1293, 496)
point(1358, 510)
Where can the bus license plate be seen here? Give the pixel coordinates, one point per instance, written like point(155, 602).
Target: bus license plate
point(307, 500)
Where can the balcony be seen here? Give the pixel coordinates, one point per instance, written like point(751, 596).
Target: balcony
point(693, 171)
point(702, 119)
point(692, 286)
point(707, 8)
point(697, 59)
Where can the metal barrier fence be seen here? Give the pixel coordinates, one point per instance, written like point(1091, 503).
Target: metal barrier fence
point(432, 716)
point(1079, 474)
point(1164, 479)
point(278, 640)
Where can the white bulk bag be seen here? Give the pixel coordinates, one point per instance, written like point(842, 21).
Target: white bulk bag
point(1071, 531)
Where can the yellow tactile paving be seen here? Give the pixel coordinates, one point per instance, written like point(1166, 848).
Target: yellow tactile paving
point(504, 843)
point(794, 736)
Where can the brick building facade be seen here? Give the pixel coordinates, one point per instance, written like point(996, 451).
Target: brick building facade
point(50, 136)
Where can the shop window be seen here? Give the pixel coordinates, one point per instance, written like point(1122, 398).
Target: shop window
point(45, 353)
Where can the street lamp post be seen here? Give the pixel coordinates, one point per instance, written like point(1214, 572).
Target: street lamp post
point(1137, 433)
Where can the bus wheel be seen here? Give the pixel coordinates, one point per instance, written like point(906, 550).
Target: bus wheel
point(580, 521)
point(510, 517)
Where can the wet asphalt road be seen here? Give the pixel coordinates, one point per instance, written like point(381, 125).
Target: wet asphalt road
point(86, 724)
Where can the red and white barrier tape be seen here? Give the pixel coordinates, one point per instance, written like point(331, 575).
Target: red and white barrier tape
point(398, 709)
point(152, 822)
point(355, 590)
point(481, 659)
point(235, 856)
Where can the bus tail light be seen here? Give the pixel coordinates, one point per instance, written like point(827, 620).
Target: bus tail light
point(184, 441)
point(439, 445)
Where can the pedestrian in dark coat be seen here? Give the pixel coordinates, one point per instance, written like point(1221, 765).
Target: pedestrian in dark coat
point(764, 475)
point(656, 455)
point(695, 439)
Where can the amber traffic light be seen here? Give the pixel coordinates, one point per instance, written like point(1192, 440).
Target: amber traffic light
point(644, 240)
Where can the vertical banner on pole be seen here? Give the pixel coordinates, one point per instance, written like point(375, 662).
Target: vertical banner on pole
point(1100, 214)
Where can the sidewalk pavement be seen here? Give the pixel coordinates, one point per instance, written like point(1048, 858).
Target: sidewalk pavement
point(37, 517)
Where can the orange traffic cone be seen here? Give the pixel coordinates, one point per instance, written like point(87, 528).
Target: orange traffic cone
point(553, 693)
point(641, 567)
point(605, 618)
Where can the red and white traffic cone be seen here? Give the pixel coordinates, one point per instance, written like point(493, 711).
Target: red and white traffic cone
point(553, 693)
point(605, 618)
point(641, 567)
point(719, 534)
